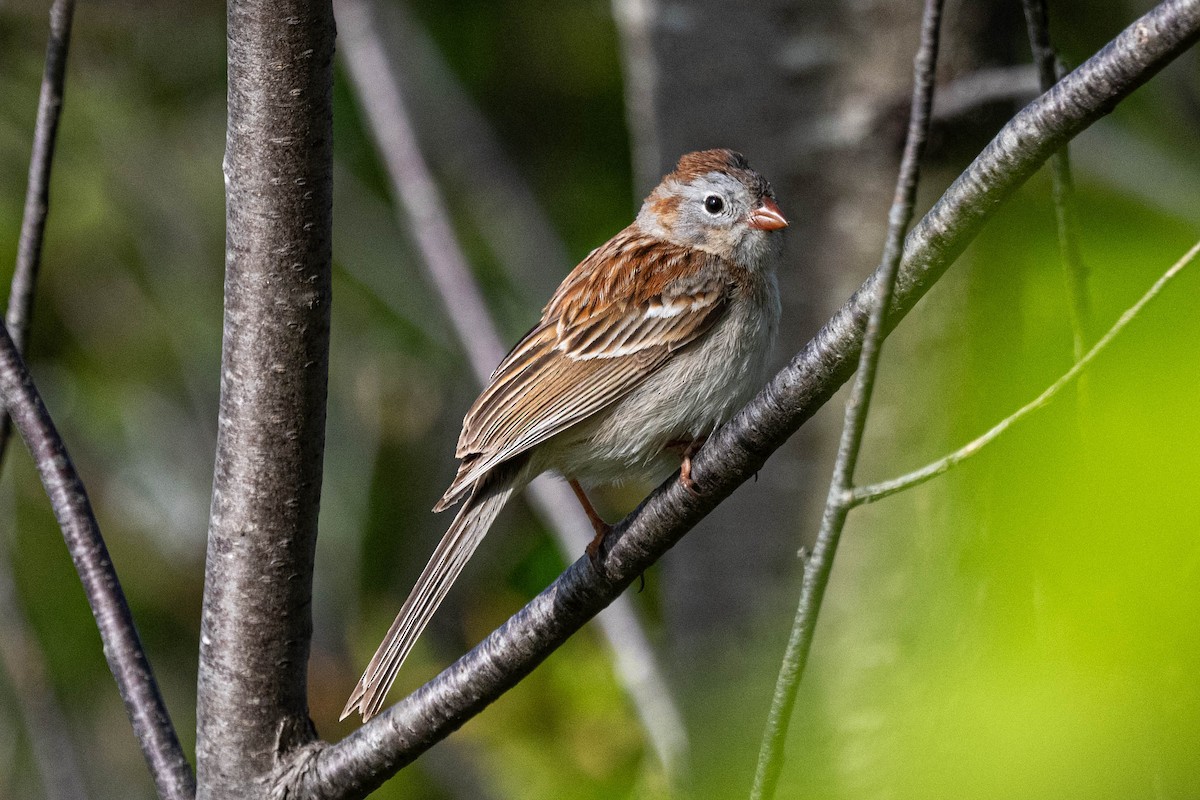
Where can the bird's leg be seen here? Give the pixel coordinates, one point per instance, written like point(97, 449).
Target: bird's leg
point(598, 524)
point(690, 448)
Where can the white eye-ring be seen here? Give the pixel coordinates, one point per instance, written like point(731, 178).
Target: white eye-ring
point(713, 204)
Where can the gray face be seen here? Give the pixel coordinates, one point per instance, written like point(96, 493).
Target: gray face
point(711, 214)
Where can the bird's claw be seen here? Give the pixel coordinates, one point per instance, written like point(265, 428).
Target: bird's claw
point(685, 468)
point(685, 477)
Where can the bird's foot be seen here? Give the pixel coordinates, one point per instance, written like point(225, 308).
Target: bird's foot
point(598, 524)
point(594, 546)
point(690, 448)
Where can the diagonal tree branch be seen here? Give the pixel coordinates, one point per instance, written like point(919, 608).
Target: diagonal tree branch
point(20, 402)
point(423, 211)
point(256, 627)
point(122, 646)
point(37, 194)
point(421, 208)
point(49, 740)
point(819, 566)
point(882, 489)
point(366, 758)
point(474, 162)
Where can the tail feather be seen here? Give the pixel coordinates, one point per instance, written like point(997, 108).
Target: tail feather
point(444, 567)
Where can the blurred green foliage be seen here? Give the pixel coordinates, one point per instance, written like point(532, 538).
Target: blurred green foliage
point(1024, 626)
point(1032, 633)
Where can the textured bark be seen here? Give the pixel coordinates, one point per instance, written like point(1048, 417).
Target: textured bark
point(256, 626)
point(362, 761)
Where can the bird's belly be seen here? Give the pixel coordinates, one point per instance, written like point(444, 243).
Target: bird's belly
point(641, 436)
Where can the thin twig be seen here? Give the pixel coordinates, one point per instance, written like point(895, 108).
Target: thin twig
point(49, 740)
point(425, 214)
point(878, 491)
point(37, 193)
point(373, 752)
point(469, 155)
point(1075, 274)
point(819, 565)
point(637, 666)
point(122, 646)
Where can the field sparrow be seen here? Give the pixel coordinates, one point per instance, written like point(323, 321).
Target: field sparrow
point(654, 340)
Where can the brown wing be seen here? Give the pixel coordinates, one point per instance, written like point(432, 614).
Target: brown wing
point(618, 317)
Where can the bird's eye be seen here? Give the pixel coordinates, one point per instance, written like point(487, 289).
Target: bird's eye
point(714, 204)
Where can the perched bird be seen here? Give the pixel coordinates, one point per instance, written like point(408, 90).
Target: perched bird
point(654, 340)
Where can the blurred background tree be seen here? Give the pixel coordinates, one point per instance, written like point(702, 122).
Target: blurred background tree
point(1023, 626)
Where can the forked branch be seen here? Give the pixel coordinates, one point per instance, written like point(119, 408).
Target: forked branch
point(878, 491)
point(37, 192)
point(20, 401)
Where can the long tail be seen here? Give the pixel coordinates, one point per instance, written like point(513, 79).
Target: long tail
point(448, 560)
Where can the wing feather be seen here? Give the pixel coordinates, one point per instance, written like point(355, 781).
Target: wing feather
point(605, 331)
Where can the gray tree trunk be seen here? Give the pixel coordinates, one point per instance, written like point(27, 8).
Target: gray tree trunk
point(256, 627)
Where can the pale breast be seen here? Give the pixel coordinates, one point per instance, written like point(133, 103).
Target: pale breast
point(688, 397)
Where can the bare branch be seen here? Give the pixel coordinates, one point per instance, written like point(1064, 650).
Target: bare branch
point(366, 758)
point(421, 207)
point(819, 565)
point(499, 201)
point(122, 646)
point(37, 193)
point(257, 618)
point(418, 195)
point(1075, 272)
point(53, 751)
point(878, 491)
